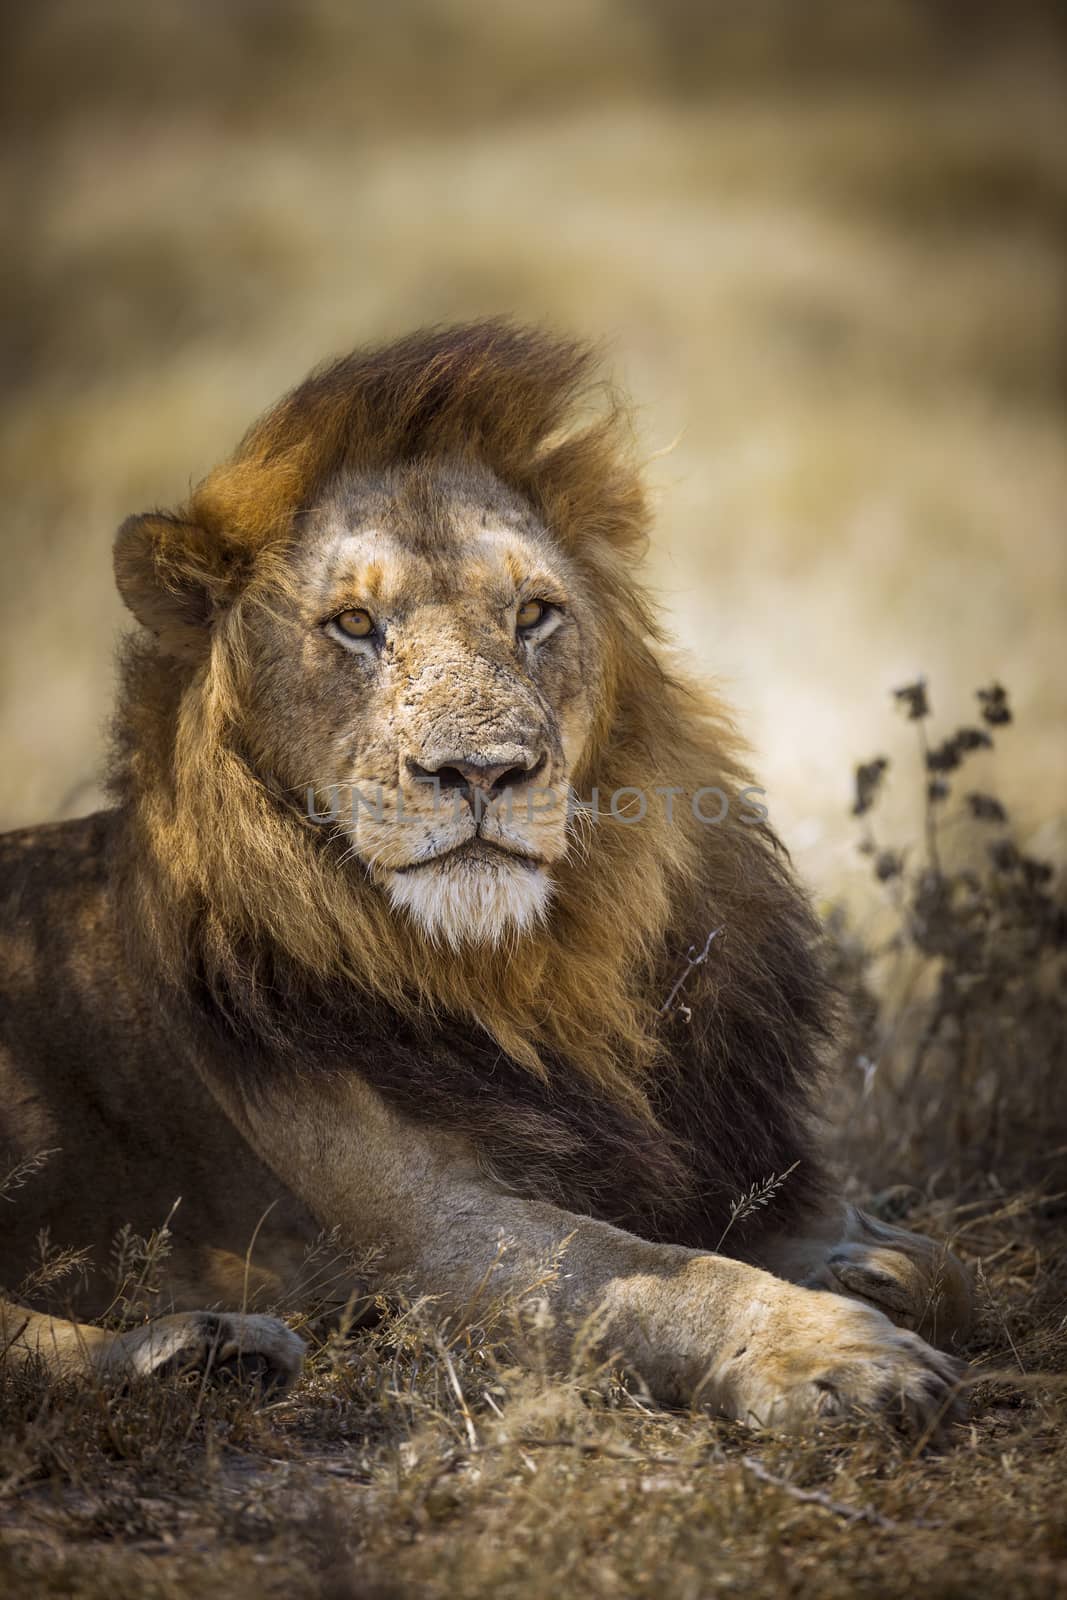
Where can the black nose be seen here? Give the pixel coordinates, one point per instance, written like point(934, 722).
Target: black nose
point(478, 780)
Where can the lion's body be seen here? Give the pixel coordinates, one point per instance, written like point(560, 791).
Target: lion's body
point(89, 1070)
point(434, 1031)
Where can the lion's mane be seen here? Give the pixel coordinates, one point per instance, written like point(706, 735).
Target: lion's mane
point(554, 1057)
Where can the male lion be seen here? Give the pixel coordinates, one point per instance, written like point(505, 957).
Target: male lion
point(346, 954)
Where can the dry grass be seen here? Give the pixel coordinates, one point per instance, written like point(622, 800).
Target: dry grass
point(402, 1466)
point(828, 260)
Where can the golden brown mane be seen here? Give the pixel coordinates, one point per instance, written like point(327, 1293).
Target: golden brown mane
point(243, 888)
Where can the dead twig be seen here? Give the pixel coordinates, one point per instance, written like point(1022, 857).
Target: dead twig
point(692, 962)
point(819, 1497)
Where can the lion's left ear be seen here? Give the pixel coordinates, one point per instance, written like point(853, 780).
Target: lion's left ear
point(176, 578)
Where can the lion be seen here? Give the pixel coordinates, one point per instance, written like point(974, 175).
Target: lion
point(412, 921)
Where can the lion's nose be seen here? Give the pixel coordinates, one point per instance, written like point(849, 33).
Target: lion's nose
point(479, 780)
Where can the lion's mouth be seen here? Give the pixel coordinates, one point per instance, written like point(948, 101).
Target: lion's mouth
point(477, 852)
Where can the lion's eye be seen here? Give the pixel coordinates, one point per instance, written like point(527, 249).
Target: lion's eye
point(530, 613)
point(355, 624)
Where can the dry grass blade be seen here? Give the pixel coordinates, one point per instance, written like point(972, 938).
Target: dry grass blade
point(21, 1174)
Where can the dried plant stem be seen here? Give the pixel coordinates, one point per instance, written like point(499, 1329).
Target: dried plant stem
point(929, 810)
point(693, 961)
point(819, 1497)
point(461, 1399)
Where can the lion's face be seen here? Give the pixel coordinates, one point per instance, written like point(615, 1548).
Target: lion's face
point(427, 680)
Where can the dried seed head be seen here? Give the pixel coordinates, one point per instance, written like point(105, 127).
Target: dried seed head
point(868, 778)
point(1004, 855)
point(986, 808)
point(994, 704)
point(914, 699)
point(888, 864)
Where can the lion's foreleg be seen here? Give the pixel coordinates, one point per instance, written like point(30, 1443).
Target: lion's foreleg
point(698, 1328)
point(915, 1281)
point(59, 1346)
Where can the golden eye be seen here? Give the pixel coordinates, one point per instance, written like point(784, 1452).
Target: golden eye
point(355, 624)
point(530, 613)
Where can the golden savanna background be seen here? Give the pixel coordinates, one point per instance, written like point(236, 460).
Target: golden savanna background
point(821, 243)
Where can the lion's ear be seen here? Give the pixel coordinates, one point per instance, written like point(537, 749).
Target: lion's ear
point(176, 578)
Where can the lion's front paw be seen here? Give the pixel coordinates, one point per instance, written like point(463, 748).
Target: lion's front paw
point(918, 1284)
point(226, 1346)
point(825, 1358)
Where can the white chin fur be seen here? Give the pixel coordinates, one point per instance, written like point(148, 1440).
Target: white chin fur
point(466, 902)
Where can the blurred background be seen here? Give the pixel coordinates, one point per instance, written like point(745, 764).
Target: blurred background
point(822, 241)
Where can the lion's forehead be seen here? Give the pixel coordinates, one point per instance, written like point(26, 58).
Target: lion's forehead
point(476, 570)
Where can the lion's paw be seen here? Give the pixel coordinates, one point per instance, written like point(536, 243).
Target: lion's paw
point(917, 1284)
point(225, 1346)
point(839, 1360)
